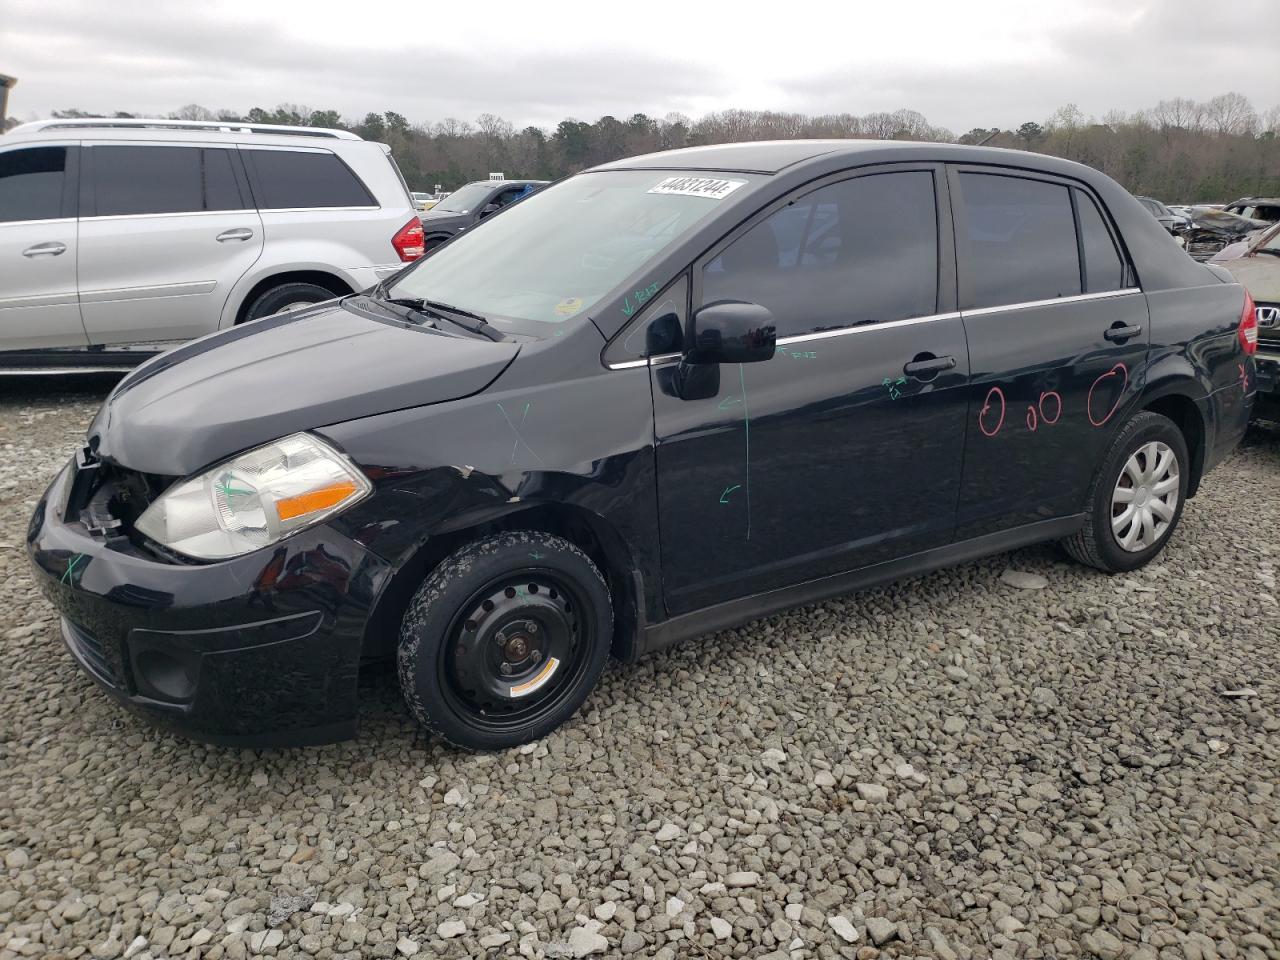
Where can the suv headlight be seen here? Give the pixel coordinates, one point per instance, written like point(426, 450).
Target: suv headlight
point(255, 499)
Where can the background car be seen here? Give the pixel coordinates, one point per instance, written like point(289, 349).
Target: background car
point(1256, 208)
point(1255, 264)
point(423, 201)
point(470, 204)
point(120, 238)
point(1213, 228)
point(1168, 219)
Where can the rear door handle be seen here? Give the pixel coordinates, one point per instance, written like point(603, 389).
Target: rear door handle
point(51, 249)
point(926, 366)
point(1119, 332)
point(237, 233)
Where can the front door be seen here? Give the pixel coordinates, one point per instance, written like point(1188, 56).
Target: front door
point(165, 233)
point(1058, 337)
point(844, 448)
point(38, 305)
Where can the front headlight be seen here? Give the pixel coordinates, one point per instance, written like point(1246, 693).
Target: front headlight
point(255, 499)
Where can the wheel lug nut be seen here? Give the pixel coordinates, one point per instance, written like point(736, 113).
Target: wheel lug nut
point(505, 668)
point(532, 627)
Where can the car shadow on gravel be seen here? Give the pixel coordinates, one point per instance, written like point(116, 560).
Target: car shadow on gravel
point(56, 389)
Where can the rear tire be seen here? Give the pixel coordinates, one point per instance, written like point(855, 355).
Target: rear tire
point(1135, 500)
point(287, 296)
point(504, 640)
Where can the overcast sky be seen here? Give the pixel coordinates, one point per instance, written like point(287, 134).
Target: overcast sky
point(962, 64)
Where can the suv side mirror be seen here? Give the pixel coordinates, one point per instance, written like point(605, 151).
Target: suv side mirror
point(489, 208)
point(731, 331)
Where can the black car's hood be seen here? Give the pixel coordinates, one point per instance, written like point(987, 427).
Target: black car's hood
point(445, 218)
point(243, 387)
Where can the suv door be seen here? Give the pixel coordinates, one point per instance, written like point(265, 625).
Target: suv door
point(1058, 334)
point(166, 230)
point(38, 304)
point(844, 448)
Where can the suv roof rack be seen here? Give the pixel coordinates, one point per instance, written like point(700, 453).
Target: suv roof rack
point(212, 126)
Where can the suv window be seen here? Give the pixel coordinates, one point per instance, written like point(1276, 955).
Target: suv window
point(289, 179)
point(1020, 237)
point(134, 180)
point(660, 328)
point(864, 250)
point(31, 183)
point(1103, 266)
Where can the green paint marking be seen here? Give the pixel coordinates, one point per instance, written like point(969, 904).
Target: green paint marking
point(729, 401)
point(746, 430)
point(724, 497)
point(536, 555)
point(75, 562)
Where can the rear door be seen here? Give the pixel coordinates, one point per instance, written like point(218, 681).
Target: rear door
point(1058, 334)
point(166, 230)
point(38, 304)
point(845, 448)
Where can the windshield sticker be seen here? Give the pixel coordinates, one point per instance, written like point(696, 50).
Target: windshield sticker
point(568, 306)
point(709, 187)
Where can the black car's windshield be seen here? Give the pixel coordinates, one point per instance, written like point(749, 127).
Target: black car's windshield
point(464, 199)
point(552, 257)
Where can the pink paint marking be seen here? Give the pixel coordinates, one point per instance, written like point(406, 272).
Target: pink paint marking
point(1031, 419)
point(1050, 394)
point(1123, 372)
point(998, 394)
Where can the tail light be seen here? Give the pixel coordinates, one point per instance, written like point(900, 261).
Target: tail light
point(1248, 330)
point(409, 241)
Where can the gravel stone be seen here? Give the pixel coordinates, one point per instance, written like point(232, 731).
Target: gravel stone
point(1089, 787)
point(407, 947)
point(1023, 579)
point(873, 792)
point(844, 929)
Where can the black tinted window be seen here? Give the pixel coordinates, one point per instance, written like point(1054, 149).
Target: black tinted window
point(1104, 270)
point(289, 178)
point(660, 328)
point(137, 180)
point(1020, 238)
point(31, 183)
point(861, 251)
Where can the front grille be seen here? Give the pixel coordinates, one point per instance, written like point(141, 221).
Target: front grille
point(88, 649)
point(1268, 315)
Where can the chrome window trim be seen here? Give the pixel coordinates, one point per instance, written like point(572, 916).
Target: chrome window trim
point(243, 211)
point(1029, 304)
point(47, 221)
point(909, 321)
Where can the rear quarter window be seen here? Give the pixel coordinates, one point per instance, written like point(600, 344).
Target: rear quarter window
point(1103, 266)
point(291, 179)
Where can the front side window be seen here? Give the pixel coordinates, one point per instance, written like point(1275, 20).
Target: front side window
point(31, 183)
point(1103, 268)
point(552, 257)
point(136, 180)
point(860, 251)
point(1018, 241)
point(300, 179)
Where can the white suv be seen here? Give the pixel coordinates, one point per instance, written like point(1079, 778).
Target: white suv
point(119, 238)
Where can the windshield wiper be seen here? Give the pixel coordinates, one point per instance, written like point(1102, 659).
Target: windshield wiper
point(455, 315)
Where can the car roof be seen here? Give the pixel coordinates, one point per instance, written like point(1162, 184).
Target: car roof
point(774, 156)
point(1255, 201)
point(177, 131)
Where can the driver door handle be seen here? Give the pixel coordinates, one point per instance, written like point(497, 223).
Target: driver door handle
point(1120, 332)
point(50, 249)
point(926, 366)
point(236, 233)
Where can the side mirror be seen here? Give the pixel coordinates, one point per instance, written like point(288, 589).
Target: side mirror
point(489, 208)
point(731, 331)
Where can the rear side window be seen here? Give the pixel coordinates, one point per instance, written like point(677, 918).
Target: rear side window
point(131, 181)
point(860, 251)
point(31, 183)
point(289, 179)
point(1103, 267)
point(1020, 238)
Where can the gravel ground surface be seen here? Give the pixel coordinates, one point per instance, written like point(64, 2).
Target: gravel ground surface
point(954, 767)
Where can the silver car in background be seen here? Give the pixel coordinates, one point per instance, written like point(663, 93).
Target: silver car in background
point(120, 238)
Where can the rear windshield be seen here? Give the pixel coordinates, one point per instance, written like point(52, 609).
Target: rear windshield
point(550, 258)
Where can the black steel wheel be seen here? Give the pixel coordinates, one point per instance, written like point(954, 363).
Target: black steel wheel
point(505, 639)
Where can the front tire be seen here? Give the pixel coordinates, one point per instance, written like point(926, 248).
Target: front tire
point(1136, 498)
point(504, 640)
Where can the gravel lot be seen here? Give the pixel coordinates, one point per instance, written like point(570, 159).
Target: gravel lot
point(951, 767)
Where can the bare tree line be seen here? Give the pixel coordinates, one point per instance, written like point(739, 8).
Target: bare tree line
point(1179, 150)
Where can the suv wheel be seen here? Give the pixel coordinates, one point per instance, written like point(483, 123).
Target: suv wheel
point(286, 297)
point(504, 640)
point(1136, 498)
